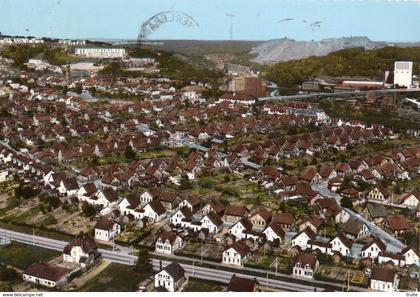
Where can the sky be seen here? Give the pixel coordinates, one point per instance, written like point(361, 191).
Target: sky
point(380, 20)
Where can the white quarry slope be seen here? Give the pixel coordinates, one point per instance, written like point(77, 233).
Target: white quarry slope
point(280, 50)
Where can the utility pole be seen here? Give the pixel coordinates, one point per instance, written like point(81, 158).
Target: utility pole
point(348, 280)
point(266, 282)
point(231, 16)
point(202, 254)
point(276, 264)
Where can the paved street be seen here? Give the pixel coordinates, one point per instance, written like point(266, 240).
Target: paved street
point(224, 277)
point(392, 244)
point(121, 257)
point(219, 274)
point(252, 271)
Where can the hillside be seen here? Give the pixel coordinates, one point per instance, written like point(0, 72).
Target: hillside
point(174, 66)
point(282, 50)
point(348, 62)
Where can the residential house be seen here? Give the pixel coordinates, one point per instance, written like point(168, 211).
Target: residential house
point(192, 202)
point(305, 265)
point(341, 244)
point(154, 211)
point(169, 200)
point(353, 195)
point(319, 246)
point(82, 251)
point(396, 225)
point(288, 183)
point(86, 191)
point(387, 258)
point(168, 242)
point(104, 197)
point(311, 176)
point(286, 220)
point(372, 249)
point(327, 172)
point(330, 208)
point(355, 229)
point(376, 212)
point(212, 222)
point(68, 186)
point(311, 222)
point(145, 197)
point(411, 256)
point(234, 213)
point(411, 200)
point(379, 193)
point(236, 254)
point(242, 284)
point(182, 214)
point(238, 228)
point(46, 275)
point(171, 278)
point(335, 184)
point(214, 206)
point(106, 229)
point(129, 205)
point(261, 218)
point(382, 279)
point(274, 231)
point(301, 239)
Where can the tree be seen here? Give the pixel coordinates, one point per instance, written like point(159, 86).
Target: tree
point(25, 191)
point(410, 238)
point(8, 274)
point(88, 210)
point(143, 264)
point(185, 183)
point(397, 190)
point(94, 161)
point(276, 242)
point(226, 178)
point(346, 202)
point(129, 153)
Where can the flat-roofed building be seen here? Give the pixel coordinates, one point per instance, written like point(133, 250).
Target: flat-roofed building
point(403, 73)
point(102, 53)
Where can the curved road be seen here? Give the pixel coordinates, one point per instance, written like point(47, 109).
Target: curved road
point(392, 243)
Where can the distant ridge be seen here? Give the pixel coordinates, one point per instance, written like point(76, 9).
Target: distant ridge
point(281, 50)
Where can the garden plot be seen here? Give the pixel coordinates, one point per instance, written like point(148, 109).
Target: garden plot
point(24, 207)
point(72, 223)
point(3, 200)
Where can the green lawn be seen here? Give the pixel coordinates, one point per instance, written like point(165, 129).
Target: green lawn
point(22, 218)
point(22, 256)
point(23, 228)
point(115, 278)
point(199, 285)
point(5, 287)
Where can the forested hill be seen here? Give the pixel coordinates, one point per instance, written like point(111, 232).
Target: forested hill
point(348, 62)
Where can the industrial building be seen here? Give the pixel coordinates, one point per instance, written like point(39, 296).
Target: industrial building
point(251, 86)
point(403, 73)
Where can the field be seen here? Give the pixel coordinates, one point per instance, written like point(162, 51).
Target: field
point(199, 285)
point(115, 278)
point(234, 189)
point(22, 256)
